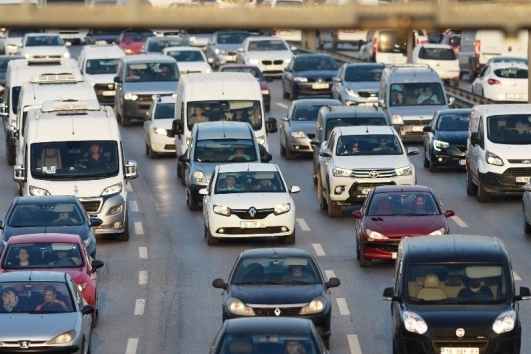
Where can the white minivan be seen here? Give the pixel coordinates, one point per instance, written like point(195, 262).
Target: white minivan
point(498, 158)
point(219, 96)
point(75, 147)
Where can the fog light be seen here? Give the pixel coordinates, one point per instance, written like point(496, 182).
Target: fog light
point(339, 190)
point(284, 229)
point(117, 224)
point(221, 231)
point(440, 159)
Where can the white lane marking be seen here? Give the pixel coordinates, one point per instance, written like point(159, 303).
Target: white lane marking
point(139, 307)
point(139, 230)
point(343, 307)
point(132, 344)
point(143, 277)
point(142, 252)
point(354, 344)
point(516, 276)
point(303, 225)
point(458, 221)
point(128, 187)
point(282, 105)
point(330, 274)
point(318, 249)
point(133, 206)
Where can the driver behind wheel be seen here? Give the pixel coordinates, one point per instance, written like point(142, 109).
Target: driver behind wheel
point(63, 258)
point(64, 218)
point(427, 96)
point(239, 156)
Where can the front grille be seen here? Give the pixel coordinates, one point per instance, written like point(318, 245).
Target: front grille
point(169, 133)
point(145, 98)
point(231, 53)
point(526, 161)
point(278, 62)
point(310, 136)
point(91, 206)
point(35, 56)
point(323, 79)
point(371, 173)
point(518, 171)
point(270, 311)
point(244, 214)
point(267, 62)
point(263, 231)
point(473, 338)
point(417, 122)
point(461, 148)
point(366, 94)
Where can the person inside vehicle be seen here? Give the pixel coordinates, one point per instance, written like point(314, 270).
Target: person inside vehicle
point(63, 258)
point(9, 300)
point(296, 272)
point(294, 347)
point(132, 75)
point(165, 73)
point(23, 257)
point(323, 64)
point(239, 156)
point(265, 185)
point(354, 148)
point(419, 205)
point(63, 218)
point(400, 99)
point(198, 116)
point(427, 96)
point(241, 116)
point(382, 145)
point(96, 157)
point(476, 290)
point(230, 185)
point(51, 303)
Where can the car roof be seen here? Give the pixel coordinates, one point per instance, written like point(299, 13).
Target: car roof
point(400, 188)
point(148, 58)
point(42, 238)
point(492, 109)
point(317, 102)
point(366, 129)
point(223, 129)
point(263, 38)
point(276, 324)
point(508, 64)
point(46, 199)
point(247, 167)
point(347, 111)
point(454, 248)
point(181, 48)
point(282, 252)
point(455, 111)
point(33, 275)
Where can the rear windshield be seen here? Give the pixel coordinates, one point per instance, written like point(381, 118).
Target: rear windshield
point(437, 54)
point(511, 73)
point(392, 42)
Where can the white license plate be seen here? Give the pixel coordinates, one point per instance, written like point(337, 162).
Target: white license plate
point(252, 224)
point(108, 93)
point(393, 255)
point(319, 86)
point(459, 350)
point(417, 129)
point(366, 190)
point(513, 95)
point(522, 179)
point(462, 162)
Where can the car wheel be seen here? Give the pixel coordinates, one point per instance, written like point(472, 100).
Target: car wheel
point(152, 154)
point(285, 95)
point(471, 188)
point(527, 226)
point(433, 166)
point(320, 190)
point(326, 342)
point(289, 155)
point(293, 96)
point(95, 319)
point(179, 170)
point(426, 160)
point(314, 178)
point(124, 236)
point(268, 108)
point(482, 195)
point(211, 241)
point(290, 239)
point(126, 122)
point(11, 155)
point(358, 247)
point(334, 210)
point(146, 149)
point(282, 150)
point(192, 204)
point(364, 262)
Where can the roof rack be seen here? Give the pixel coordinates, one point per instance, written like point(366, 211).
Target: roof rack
point(70, 105)
point(43, 60)
point(59, 78)
point(398, 67)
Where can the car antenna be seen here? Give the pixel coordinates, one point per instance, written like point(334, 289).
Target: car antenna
point(367, 129)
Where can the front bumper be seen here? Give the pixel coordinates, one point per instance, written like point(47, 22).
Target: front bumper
point(363, 98)
point(220, 59)
point(272, 67)
point(348, 191)
point(105, 93)
point(505, 182)
point(312, 88)
point(14, 348)
point(380, 249)
point(413, 130)
point(112, 210)
point(162, 143)
point(136, 109)
point(452, 156)
point(299, 145)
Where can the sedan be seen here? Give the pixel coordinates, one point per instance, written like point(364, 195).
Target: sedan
point(255, 71)
point(158, 135)
point(43, 46)
point(102, 36)
point(357, 83)
point(48, 314)
point(503, 82)
point(55, 252)
point(297, 129)
point(271, 54)
point(279, 282)
point(272, 335)
point(391, 213)
point(445, 139)
point(189, 59)
point(30, 215)
point(309, 74)
point(440, 57)
point(248, 200)
point(132, 41)
point(223, 46)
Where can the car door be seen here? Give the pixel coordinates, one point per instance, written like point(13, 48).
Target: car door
point(428, 136)
point(207, 199)
point(338, 85)
point(119, 87)
point(149, 123)
point(324, 162)
point(285, 126)
point(479, 82)
point(478, 152)
point(287, 77)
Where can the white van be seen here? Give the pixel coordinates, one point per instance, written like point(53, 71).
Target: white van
point(218, 96)
point(498, 158)
point(45, 87)
point(63, 139)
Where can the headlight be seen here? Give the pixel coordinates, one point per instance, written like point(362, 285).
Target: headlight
point(222, 210)
point(504, 322)
point(414, 323)
point(192, 39)
point(265, 92)
point(404, 171)
point(341, 172)
point(373, 235)
point(287, 61)
point(397, 119)
point(130, 96)
point(438, 145)
point(128, 51)
point(12, 46)
point(27, 55)
point(86, 242)
point(254, 61)
point(66, 55)
point(38, 191)
point(351, 92)
point(300, 79)
point(160, 131)
point(63, 338)
point(237, 307)
point(493, 159)
point(114, 189)
point(440, 231)
point(282, 208)
point(260, 140)
point(298, 134)
point(208, 71)
point(219, 51)
point(81, 286)
point(199, 177)
point(315, 306)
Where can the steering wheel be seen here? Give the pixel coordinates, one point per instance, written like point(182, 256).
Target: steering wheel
point(239, 159)
point(64, 222)
point(65, 261)
point(428, 101)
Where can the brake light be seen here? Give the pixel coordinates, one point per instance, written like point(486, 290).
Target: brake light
point(493, 82)
point(375, 44)
point(477, 48)
point(274, 31)
point(337, 32)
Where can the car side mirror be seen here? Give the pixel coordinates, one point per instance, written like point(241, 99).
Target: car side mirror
point(381, 102)
point(525, 294)
point(203, 191)
point(449, 213)
point(357, 214)
point(240, 50)
point(332, 283)
point(451, 101)
point(412, 151)
point(325, 153)
point(95, 221)
point(220, 284)
point(183, 158)
point(284, 119)
point(1, 225)
point(147, 116)
point(271, 125)
point(314, 142)
point(336, 79)
point(389, 295)
point(177, 127)
point(294, 189)
point(3, 109)
point(117, 79)
point(96, 264)
point(131, 169)
point(474, 139)
point(427, 129)
point(87, 310)
point(266, 157)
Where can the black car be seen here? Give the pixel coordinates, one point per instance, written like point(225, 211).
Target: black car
point(102, 36)
point(286, 282)
point(309, 74)
point(50, 213)
point(445, 139)
point(454, 294)
point(268, 335)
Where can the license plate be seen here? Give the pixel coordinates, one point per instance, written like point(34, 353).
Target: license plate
point(522, 179)
point(108, 93)
point(417, 129)
point(462, 162)
point(459, 350)
point(319, 86)
point(513, 95)
point(252, 224)
point(393, 255)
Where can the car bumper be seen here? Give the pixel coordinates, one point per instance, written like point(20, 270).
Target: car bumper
point(358, 101)
point(135, 109)
point(162, 143)
point(105, 93)
point(451, 156)
point(269, 68)
point(267, 100)
point(112, 210)
point(313, 89)
point(410, 130)
point(506, 182)
point(347, 191)
point(271, 225)
point(221, 59)
point(15, 349)
point(299, 145)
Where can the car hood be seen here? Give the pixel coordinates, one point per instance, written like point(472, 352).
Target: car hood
point(253, 199)
point(45, 50)
point(316, 74)
point(365, 86)
point(508, 151)
point(452, 137)
point(101, 79)
point(147, 88)
point(277, 294)
point(43, 326)
point(268, 54)
point(374, 161)
point(199, 66)
point(228, 47)
point(405, 225)
point(134, 46)
point(165, 123)
point(305, 126)
point(69, 229)
point(417, 112)
point(459, 316)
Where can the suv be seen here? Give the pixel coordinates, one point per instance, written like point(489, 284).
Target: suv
point(208, 148)
point(354, 160)
point(454, 294)
point(339, 116)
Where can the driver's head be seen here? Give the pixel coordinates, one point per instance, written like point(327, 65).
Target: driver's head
point(49, 294)
point(62, 254)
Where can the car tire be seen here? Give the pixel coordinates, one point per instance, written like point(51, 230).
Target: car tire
point(471, 188)
point(152, 154)
point(326, 342)
point(482, 195)
point(126, 122)
point(211, 240)
point(289, 155)
point(290, 239)
point(293, 96)
point(192, 204)
point(426, 160)
point(285, 95)
point(124, 236)
point(320, 190)
point(179, 170)
point(268, 108)
point(95, 319)
point(10, 154)
point(282, 150)
point(527, 226)
point(433, 166)
point(364, 262)
point(334, 210)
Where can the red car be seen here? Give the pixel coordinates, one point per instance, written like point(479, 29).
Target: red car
point(391, 213)
point(131, 41)
point(54, 252)
point(266, 94)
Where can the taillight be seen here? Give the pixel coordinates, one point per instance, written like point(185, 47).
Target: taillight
point(477, 48)
point(274, 31)
point(493, 82)
point(375, 44)
point(337, 32)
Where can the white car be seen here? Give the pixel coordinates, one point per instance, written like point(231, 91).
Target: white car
point(44, 46)
point(189, 59)
point(158, 135)
point(503, 82)
point(248, 200)
point(441, 58)
point(271, 54)
point(12, 39)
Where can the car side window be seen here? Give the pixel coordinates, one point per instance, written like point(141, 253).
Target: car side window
point(331, 141)
point(481, 136)
point(77, 295)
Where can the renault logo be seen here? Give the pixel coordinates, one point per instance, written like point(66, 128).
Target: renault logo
point(460, 332)
point(277, 312)
point(24, 344)
point(252, 212)
point(374, 174)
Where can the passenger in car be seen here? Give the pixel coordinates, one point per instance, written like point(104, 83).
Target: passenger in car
point(9, 300)
point(51, 303)
point(294, 347)
point(265, 185)
point(476, 291)
point(230, 185)
point(296, 272)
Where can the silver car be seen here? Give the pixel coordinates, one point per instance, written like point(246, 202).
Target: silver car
point(358, 83)
point(43, 310)
point(223, 46)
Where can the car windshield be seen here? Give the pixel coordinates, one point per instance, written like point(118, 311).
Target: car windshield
point(268, 342)
point(331, 123)
point(303, 113)
point(19, 32)
point(253, 70)
point(453, 122)
point(45, 214)
point(74, 159)
point(235, 110)
point(509, 129)
point(158, 45)
point(417, 94)
point(165, 111)
point(137, 36)
point(368, 145)
point(276, 270)
point(35, 297)
point(37, 41)
point(363, 73)
point(152, 72)
point(430, 53)
point(511, 73)
point(47, 255)
point(249, 181)
point(232, 37)
point(104, 32)
point(263, 45)
point(186, 55)
point(101, 66)
point(222, 150)
point(403, 203)
point(456, 283)
point(306, 63)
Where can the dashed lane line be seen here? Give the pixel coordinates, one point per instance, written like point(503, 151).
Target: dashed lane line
point(516, 276)
point(142, 252)
point(282, 105)
point(128, 187)
point(330, 274)
point(143, 277)
point(318, 249)
point(139, 230)
point(132, 344)
point(139, 307)
point(133, 206)
point(354, 344)
point(303, 225)
point(459, 221)
point(343, 307)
